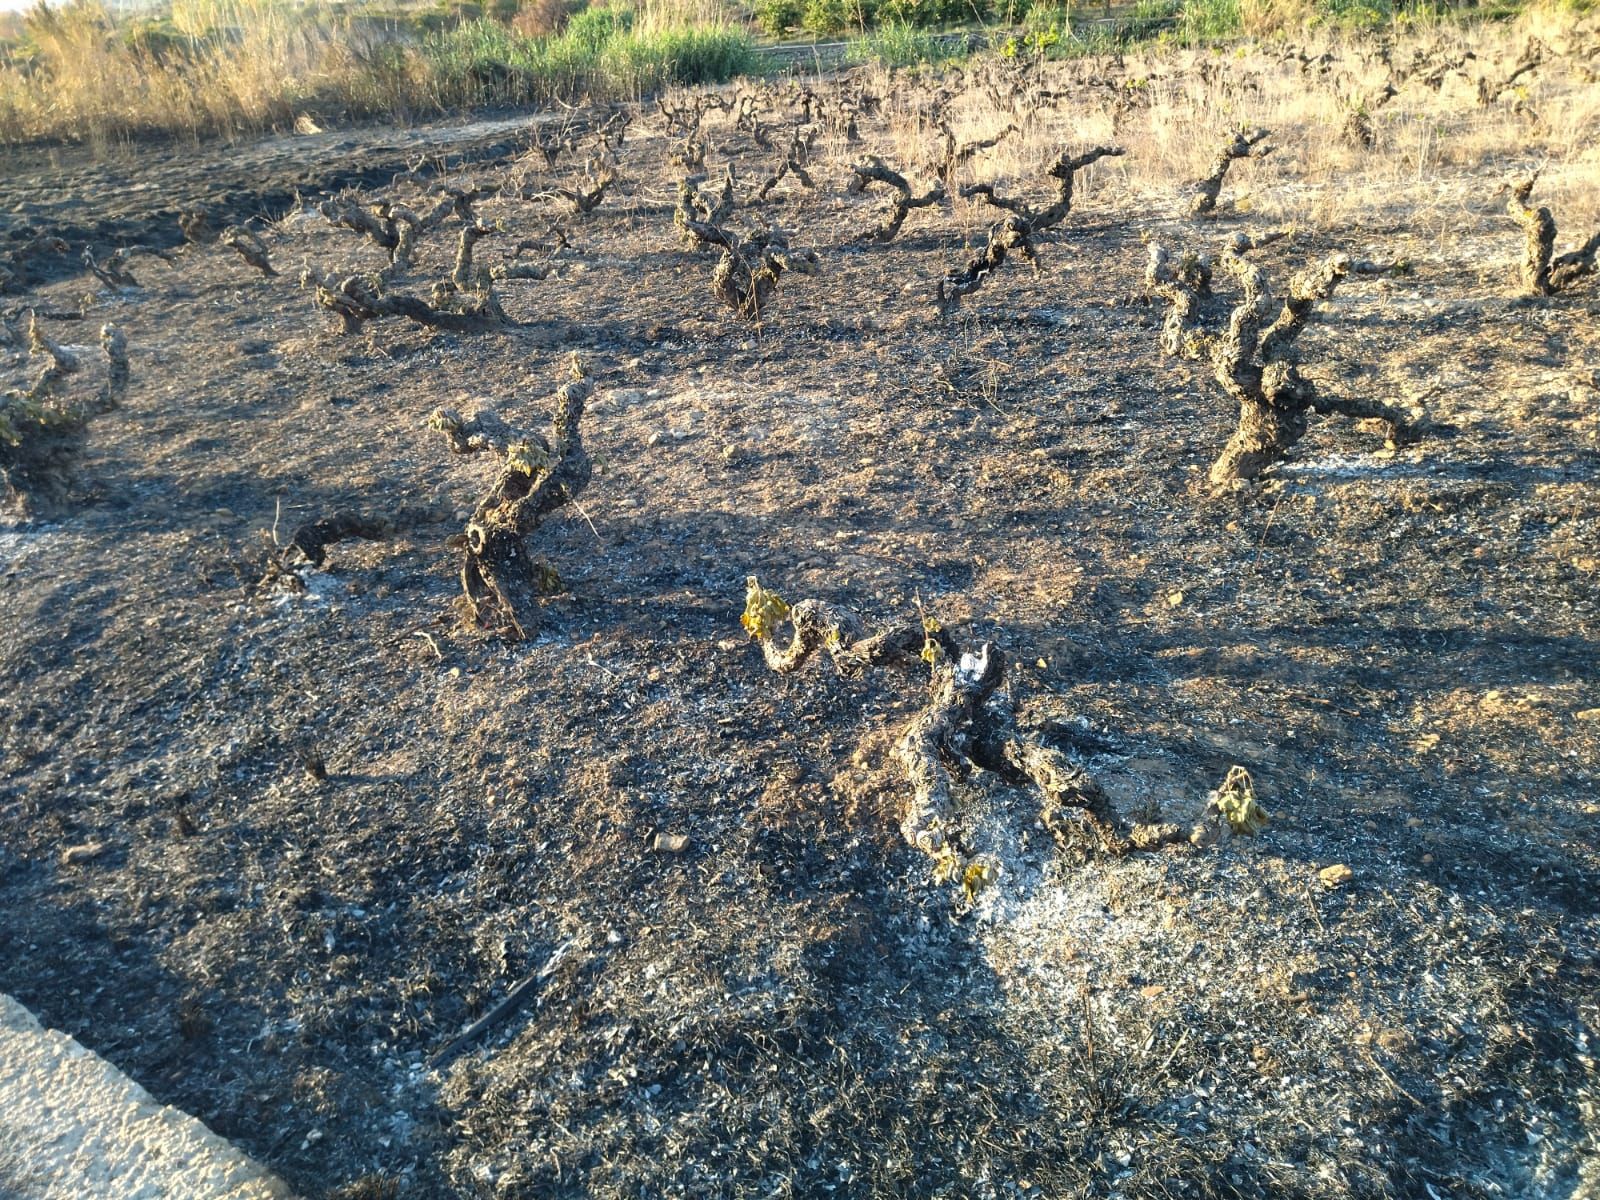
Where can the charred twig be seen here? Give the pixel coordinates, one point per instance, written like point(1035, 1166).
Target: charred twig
point(747, 274)
point(690, 153)
point(311, 540)
point(681, 118)
point(1183, 285)
point(507, 1005)
point(536, 476)
point(1243, 145)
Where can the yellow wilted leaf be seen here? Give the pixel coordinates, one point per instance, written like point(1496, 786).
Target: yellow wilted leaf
point(527, 458)
point(975, 878)
point(764, 611)
point(1236, 801)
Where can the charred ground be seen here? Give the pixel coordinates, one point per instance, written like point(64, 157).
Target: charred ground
point(268, 848)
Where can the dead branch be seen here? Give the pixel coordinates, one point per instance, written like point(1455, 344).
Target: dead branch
point(16, 270)
point(794, 161)
point(1533, 57)
point(1018, 230)
point(248, 247)
point(747, 274)
point(958, 154)
point(694, 215)
point(598, 174)
point(1014, 233)
point(1358, 127)
point(536, 477)
point(42, 428)
point(1064, 171)
point(195, 225)
point(1183, 285)
point(463, 275)
point(690, 153)
point(357, 299)
point(112, 271)
point(1243, 145)
point(114, 345)
point(312, 539)
point(873, 170)
point(681, 118)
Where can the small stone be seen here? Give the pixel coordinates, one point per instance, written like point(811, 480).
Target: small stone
point(1336, 876)
point(83, 853)
point(670, 843)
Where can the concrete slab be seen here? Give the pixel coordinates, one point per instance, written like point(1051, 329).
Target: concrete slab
point(72, 1126)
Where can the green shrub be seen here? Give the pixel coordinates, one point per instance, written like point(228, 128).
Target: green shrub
point(594, 27)
point(777, 17)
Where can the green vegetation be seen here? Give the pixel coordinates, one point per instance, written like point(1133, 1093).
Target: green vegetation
point(902, 45)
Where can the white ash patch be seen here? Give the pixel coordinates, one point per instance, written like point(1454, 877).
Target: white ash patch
point(1341, 466)
point(317, 587)
point(17, 544)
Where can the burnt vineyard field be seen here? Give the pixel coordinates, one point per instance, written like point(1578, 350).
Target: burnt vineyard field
point(1028, 630)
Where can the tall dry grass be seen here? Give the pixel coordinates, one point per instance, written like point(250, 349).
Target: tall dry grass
point(227, 67)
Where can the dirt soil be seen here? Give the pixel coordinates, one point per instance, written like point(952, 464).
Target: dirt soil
point(270, 847)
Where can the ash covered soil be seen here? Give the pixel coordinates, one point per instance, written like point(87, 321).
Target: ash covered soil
point(1399, 643)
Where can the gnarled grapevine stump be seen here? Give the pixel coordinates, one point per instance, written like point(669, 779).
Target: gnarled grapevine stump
point(537, 475)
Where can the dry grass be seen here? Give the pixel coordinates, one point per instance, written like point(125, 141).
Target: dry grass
point(227, 67)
